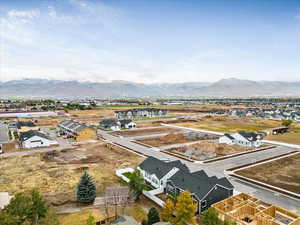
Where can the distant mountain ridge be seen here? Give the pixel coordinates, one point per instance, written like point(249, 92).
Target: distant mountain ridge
point(231, 87)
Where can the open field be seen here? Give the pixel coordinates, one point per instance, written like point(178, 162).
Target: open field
point(208, 150)
point(292, 137)
point(282, 173)
point(175, 138)
point(92, 113)
point(56, 175)
point(138, 132)
point(230, 124)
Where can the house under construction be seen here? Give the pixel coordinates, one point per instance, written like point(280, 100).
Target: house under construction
point(245, 209)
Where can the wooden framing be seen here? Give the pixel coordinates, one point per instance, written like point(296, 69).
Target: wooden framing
point(245, 209)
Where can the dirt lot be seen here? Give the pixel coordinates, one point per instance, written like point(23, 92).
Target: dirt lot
point(292, 137)
point(138, 132)
point(282, 173)
point(56, 176)
point(208, 150)
point(231, 124)
point(175, 138)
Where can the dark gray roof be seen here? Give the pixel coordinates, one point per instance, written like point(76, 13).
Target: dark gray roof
point(124, 122)
point(31, 133)
point(25, 124)
point(161, 168)
point(229, 136)
point(250, 136)
point(198, 183)
point(108, 123)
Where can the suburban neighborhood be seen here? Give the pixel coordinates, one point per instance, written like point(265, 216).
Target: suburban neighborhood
point(144, 112)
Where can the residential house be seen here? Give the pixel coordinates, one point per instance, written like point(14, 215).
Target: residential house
point(76, 130)
point(110, 125)
point(35, 139)
point(127, 124)
point(244, 139)
point(174, 177)
point(140, 113)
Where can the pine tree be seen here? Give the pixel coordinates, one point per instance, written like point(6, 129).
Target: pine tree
point(153, 216)
point(86, 189)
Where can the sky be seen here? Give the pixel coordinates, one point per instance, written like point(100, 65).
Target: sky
point(150, 41)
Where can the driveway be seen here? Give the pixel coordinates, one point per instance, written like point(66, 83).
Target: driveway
point(3, 133)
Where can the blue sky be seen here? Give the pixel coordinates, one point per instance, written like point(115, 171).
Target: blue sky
point(150, 40)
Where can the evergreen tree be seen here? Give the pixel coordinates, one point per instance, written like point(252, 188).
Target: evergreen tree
point(153, 216)
point(86, 189)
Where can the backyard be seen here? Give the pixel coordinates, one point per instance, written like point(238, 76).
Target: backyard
point(282, 173)
point(56, 175)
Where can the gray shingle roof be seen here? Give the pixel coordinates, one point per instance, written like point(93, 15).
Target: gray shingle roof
point(198, 183)
point(31, 133)
point(160, 168)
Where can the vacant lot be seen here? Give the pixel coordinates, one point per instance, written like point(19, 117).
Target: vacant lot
point(175, 138)
point(56, 175)
point(92, 113)
point(139, 132)
point(292, 137)
point(208, 149)
point(230, 124)
point(282, 173)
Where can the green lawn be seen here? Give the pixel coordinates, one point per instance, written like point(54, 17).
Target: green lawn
point(147, 186)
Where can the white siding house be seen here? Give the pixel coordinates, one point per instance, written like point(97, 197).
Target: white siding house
point(245, 139)
point(35, 139)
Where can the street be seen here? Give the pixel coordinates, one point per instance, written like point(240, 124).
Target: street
point(217, 169)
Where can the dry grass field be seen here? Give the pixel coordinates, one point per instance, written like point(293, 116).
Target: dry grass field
point(56, 176)
point(92, 113)
point(282, 173)
point(292, 137)
point(138, 132)
point(230, 124)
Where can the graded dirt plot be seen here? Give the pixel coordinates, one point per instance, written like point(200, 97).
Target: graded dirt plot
point(283, 173)
point(56, 175)
point(208, 150)
point(292, 137)
point(139, 132)
point(175, 138)
point(231, 124)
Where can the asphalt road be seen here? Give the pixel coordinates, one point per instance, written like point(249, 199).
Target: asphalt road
point(217, 169)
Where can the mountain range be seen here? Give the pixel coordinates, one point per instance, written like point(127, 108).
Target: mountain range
point(231, 87)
